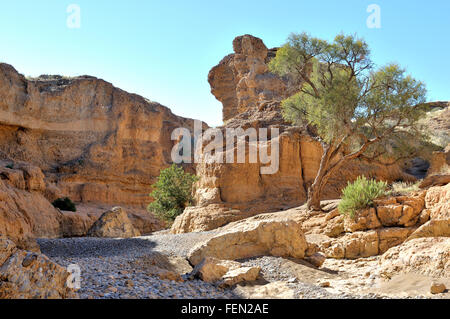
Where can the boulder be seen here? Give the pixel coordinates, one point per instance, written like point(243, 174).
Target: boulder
point(253, 237)
point(433, 228)
point(113, 224)
point(163, 266)
point(435, 180)
point(437, 201)
point(426, 256)
point(197, 219)
point(25, 215)
point(359, 244)
point(437, 288)
point(364, 220)
point(226, 273)
point(401, 210)
point(27, 275)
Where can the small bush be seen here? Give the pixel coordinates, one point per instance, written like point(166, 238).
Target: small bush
point(360, 195)
point(10, 166)
point(172, 193)
point(65, 204)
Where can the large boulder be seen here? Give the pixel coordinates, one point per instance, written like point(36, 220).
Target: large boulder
point(77, 224)
point(426, 256)
point(94, 142)
point(433, 228)
point(226, 273)
point(255, 236)
point(251, 98)
point(437, 201)
point(114, 224)
point(197, 219)
point(24, 212)
point(27, 275)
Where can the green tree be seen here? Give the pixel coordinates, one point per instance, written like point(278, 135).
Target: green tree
point(172, 192)
point(356, 110)
point(360, 194)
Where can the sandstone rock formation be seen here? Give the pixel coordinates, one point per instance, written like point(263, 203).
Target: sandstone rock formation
point(195, 219)
point(273, 290)
point(251, 97)
point(27, 275)
point(77, 224)
point(24, 212)
point(113, 224)
point(242, 79)
point(226, 273)
point(437, 201)
point(163, 266)
point(94, 142)
point(253, 237)
point(427, 256)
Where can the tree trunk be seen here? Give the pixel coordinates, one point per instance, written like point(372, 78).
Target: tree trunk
point(315, 190)
point(314, 196)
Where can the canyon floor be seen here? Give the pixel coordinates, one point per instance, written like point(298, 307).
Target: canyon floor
point(115, 268)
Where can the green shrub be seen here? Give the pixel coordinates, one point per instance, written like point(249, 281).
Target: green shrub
point(10, 166)
point(360, 195)
point(65, 204)
point(172, 193)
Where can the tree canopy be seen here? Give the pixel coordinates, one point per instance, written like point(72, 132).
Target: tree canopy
point(369, 112)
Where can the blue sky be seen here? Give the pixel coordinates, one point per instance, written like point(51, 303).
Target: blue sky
point(164, 50)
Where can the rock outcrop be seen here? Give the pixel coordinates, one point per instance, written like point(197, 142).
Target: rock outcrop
point(427, 256)
point(251, 97)
point(270, 235)
point(113, 224)
point(24, 212)
point(225, 273)
point(242, 80)
point(28, 275)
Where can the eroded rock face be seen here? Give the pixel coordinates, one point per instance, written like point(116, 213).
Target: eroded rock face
point(242, 79)
point(114, 224)
point(427, 256)
point(437, 201)
point(27, 275)
point(94, 142)
point(24, 212)
point(276, 236)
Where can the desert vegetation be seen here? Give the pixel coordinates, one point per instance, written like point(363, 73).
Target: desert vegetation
point(364, 112)
point(65, 204)
point(172, 193)
point(360, 195)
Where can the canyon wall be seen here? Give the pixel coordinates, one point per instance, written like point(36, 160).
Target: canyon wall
point(94, 142)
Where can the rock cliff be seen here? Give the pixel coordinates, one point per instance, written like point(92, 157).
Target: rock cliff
point(94, 142)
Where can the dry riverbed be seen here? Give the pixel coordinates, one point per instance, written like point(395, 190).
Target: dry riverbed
point(109, 270)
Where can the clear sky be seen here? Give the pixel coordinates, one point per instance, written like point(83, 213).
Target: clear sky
point(164, 50)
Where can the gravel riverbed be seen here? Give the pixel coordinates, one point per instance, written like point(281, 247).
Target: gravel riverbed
point(108, 268)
